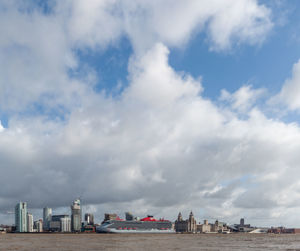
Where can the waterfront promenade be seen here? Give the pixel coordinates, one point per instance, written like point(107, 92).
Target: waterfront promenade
point(149, 242)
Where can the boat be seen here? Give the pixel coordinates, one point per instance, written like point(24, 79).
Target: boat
point(225, 232)
point(146, 225)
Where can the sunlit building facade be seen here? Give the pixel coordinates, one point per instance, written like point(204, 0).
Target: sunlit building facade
point(29, 223)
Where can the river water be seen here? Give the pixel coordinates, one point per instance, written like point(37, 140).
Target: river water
point(134, 242)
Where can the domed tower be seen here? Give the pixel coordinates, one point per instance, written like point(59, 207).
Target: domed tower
point(179, 217)
point(191, 215)
point(179, 224)
point(192, 225)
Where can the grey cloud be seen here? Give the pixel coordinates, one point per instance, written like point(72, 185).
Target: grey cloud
point(255, 198)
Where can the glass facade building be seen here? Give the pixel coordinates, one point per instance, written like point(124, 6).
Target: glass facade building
point(47, 215)
point(21, 217)
point(89, 219)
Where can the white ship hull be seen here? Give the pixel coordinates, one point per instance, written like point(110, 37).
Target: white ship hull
point(107, 229)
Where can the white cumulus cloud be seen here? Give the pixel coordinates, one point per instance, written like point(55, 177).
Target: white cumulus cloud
point(243, 99)
point(159, 146)
point(290, 92)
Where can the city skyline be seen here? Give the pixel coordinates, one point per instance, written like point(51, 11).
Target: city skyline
point(75, 222)
point(153, 107)
point(51, 223)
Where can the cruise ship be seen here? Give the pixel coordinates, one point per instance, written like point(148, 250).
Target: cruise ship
point(145, 225)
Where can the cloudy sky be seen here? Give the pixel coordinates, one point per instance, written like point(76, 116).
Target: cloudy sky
point(152, 107)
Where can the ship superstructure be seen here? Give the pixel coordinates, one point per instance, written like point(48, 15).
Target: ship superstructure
point(145, 225)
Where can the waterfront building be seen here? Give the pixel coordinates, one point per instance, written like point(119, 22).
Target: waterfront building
point(38, 225)
point(192, 224)
point(129, 216)
point(189, 226)
point(180, 224)
point(7, 228)
point(108, 217)
point(47, 214)
point(282, 230)
point(29, 223)
point(204, 228)
point(219, 227)
point(65, 224)
point(88, 229)
point(21, 217)
point(89, 219)
point(54, 226)
point(242, 222)
point(242, 227)
point(60, 223)
point(76, 216)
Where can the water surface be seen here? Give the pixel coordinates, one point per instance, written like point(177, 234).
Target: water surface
point(149, 242)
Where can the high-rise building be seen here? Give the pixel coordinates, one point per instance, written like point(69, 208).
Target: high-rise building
point(21, 217)
point(108, 217)
point(242, 222)
point(89, 219)
point(38, 225)
point(76, 216)
point(29, 222)
point(65, 224)
point(47, 214)
point(59, 223)
point(129, 216)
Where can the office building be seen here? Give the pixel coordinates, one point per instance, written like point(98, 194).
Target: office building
point(38, 226)
point(89, 219)
point(204, 228)
point(21, 217)
point(242, 227)
point(54, 226)
point(65, 224)
point(29, 223)
point(76, 216)
point(242, 222)
point(129, 216)
point(60, 223)
point(108, 217)
point(219, 227)
point(189, 225)
point(47, 214)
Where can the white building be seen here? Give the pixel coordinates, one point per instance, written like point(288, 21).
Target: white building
point(38, 225)
point(29, 223)
point(204, 228)
point(65, 224)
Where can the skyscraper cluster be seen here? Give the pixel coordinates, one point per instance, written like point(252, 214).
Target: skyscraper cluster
point(52, 223)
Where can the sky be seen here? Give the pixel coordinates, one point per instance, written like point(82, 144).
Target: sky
point(154, 107)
